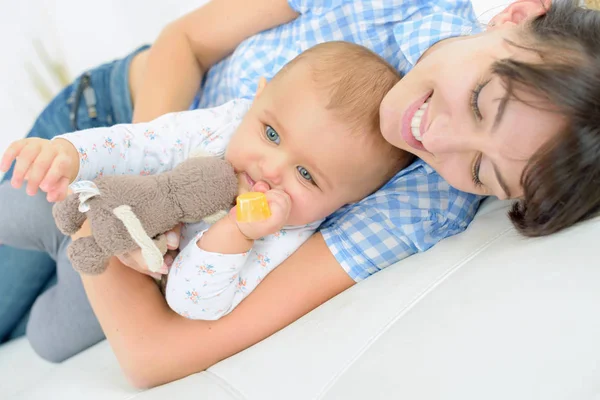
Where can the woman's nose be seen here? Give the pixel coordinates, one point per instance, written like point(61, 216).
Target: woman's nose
point(443, 137)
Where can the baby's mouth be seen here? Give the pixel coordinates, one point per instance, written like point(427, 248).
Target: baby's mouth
point(245, 183)
point(250, 181)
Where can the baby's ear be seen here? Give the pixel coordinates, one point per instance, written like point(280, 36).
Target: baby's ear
point(262, 82)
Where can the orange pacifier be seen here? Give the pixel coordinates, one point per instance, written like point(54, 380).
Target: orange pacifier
point(252, 207)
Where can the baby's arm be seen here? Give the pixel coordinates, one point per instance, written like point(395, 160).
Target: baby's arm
point(203, 280)
point(157, 146)
point(207, 285)
point(147, 148)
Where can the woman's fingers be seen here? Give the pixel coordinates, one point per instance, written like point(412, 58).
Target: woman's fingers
point(170, 257)
point(131, 260)
point(173, 237)
point(135, 260)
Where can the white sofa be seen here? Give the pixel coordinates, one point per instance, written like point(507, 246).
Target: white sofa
point(486, 314)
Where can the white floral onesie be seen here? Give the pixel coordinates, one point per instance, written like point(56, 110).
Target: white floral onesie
point(201, 285)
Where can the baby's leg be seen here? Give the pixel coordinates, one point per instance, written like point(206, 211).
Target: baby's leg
point(62, 322)
point(23, 274)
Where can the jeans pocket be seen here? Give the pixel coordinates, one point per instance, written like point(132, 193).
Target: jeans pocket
point(89, 101)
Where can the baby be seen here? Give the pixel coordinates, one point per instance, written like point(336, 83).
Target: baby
point(309, 140)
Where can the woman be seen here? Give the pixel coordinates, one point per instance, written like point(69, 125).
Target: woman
point(465, 133)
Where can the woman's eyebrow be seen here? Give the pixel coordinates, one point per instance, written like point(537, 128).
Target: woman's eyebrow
point(500, 111)
point(497, 120)
point(501, 180)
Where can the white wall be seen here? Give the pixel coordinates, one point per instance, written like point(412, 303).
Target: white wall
point(79, 33)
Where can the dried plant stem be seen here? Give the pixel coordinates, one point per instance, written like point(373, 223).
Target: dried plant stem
point(56, 70)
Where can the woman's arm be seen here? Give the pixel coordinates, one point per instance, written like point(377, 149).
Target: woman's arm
point(154, 345)
point(170, 76)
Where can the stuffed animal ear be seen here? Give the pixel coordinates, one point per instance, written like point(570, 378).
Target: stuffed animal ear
point(211, 219)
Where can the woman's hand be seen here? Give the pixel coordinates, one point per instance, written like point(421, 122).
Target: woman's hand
point(136, 261)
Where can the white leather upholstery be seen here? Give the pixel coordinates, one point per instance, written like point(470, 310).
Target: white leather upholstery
point(486, 315)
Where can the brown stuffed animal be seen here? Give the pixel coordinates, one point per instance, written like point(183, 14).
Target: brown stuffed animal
point(129, 212)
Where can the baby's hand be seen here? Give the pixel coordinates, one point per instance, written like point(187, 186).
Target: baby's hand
point(280, 204)
point(45, 164)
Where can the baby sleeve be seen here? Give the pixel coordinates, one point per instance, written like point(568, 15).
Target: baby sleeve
point(207, 286)
point(202, 284)
point(156, 146)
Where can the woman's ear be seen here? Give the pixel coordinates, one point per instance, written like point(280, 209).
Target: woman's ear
point(519, 12)
point(262, 82)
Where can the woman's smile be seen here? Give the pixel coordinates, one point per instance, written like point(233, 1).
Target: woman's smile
point(414, 122)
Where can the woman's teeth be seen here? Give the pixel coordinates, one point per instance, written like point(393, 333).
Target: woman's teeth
point(415, 124)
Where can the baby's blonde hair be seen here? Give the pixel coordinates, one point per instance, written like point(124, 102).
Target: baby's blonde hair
point(355, 80)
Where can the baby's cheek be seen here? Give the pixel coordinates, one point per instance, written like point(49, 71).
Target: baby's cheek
point(305, 209)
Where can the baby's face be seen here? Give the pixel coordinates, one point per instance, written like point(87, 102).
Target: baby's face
point(290, 141)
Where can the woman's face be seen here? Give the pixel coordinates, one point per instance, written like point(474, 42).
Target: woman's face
point(450, 111)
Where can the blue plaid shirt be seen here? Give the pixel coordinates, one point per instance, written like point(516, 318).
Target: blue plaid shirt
point(417, 208)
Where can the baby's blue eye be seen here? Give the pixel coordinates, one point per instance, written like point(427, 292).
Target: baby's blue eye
point(271, 135)
point(304, 173)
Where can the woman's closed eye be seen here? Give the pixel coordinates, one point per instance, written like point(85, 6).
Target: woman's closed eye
point(474, 100)
point(272, 135)
point(475, 171)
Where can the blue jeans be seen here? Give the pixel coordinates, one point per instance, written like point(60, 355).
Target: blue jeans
point(99, 97)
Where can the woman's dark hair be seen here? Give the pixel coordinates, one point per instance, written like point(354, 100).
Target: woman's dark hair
point(561, 181)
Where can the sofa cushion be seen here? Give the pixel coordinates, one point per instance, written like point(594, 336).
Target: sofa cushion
point(485, 314)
